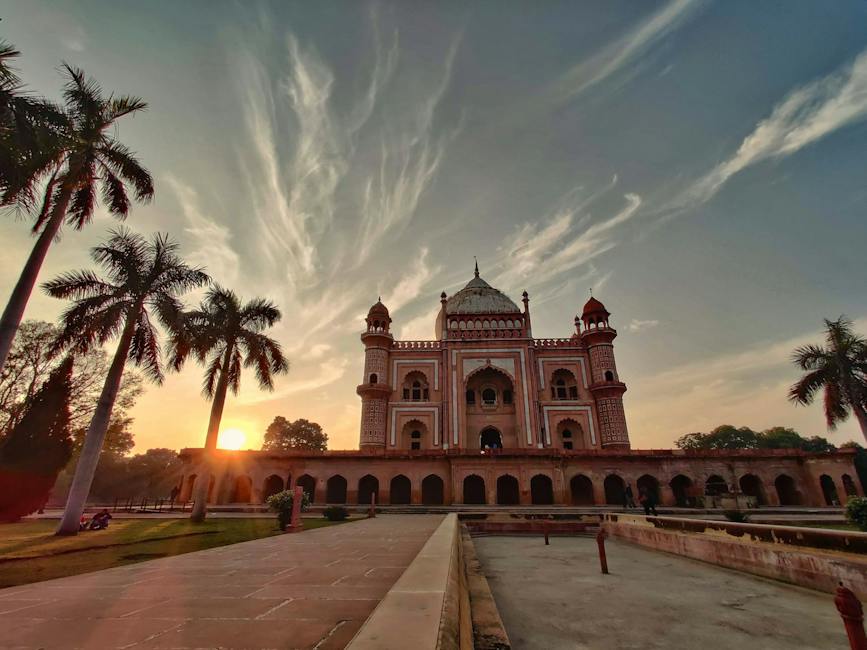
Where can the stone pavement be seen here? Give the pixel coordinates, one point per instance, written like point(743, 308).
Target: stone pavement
point(555, 597)
point(309, 590)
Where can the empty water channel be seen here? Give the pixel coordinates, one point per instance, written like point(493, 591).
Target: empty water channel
point(555, 597)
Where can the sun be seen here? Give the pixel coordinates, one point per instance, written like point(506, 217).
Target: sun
point(231, 439)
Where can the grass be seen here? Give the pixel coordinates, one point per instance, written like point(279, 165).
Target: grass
point(832, 526)
point(29, 551)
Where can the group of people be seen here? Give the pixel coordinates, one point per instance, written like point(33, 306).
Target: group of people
point(646, 498)
point(99, 521)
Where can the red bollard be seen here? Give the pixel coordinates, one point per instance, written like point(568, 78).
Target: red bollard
point(853, 617)
point(372, 512)
point(600, 542)
point(295, 523)
point(545, 529)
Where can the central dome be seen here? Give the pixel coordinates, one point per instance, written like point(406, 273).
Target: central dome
point(478, 297)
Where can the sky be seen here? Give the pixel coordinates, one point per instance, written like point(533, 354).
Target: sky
point(699, 164)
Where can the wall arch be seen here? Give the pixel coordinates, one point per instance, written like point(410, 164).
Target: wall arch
point(368, 490)
point(474, 490)
point(335, 489)
point(400, 490)
point(541, 490)
point(615, 490)
point(433, 490)
point(272, 485)
point(508, 491)
point(581, 491)
point(308, 484)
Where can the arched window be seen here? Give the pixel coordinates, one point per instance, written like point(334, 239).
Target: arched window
point(373, 378)
point(609, 376)
point(415, 440)
point(489, 397)
point(567, 439)
point(563, 385)
point(471, 396)
point(415, 387)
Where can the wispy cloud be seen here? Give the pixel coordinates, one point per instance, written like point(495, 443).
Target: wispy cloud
point(637, 325)
point(421, 327)
point(411, 151)
point(212, 246)
point(805, 116)
point(565, 242)
point(619, 54)
point(411, 283)
point(326, 373)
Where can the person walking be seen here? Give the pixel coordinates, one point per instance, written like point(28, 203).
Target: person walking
point(628, 497)
point(646, 498)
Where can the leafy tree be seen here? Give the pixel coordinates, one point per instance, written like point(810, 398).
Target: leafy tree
point(780, 438)
point(224, 334)
point(839, 370)
point(725, 436)
point(37, 448)
point(283, 435)
point(817, 445)
point(87, 159)
point(31, 362)
point(142, 280)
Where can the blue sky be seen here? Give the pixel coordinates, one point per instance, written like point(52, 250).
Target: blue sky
point(700, 164)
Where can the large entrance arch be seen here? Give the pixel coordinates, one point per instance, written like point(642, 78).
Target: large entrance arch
point(508, 492)
point(490, 438)
point(541, 490)
point(474, 490)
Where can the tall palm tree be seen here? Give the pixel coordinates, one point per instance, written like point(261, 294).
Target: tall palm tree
point(88, 159)
point(142, 279)
point(225, 334)
point(840, 370)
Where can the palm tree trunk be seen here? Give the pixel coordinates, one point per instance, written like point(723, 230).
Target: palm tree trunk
point(203, 481)
point(89, 458)
point(14, 311)
point(861, 416)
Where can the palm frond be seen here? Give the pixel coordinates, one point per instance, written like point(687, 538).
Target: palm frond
point(804, 391)
point(82, 93)
point(144, 349)
point(212, 373)
point(125, 164)
point(120, 106)
point(259, 313)
point(83, 201)
point(114, 193)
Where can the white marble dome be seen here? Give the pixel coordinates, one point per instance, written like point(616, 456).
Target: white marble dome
point(478, 297)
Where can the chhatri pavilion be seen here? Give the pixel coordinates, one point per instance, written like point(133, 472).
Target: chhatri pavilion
point(487, 414)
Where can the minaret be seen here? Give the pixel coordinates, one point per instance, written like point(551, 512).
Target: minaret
point(375, 389)
point(606, 387)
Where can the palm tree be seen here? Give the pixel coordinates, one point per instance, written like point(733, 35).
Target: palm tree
point(30, 129)
point(142, 279)
point(840, 369)
point(88, 159)
point(224, 335)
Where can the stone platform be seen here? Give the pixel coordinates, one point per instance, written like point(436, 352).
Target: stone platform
point(313, 589)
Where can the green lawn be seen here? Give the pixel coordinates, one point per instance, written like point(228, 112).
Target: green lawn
point(30, 552)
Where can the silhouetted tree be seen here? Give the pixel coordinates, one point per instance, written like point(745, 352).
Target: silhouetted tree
point(839, 370)
point(37, 448)
point(724, 436)
point(223, 334)
point(283, 435)
point(88, 159)
point(142, 281)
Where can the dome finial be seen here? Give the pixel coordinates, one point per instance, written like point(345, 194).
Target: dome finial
point(477, 265)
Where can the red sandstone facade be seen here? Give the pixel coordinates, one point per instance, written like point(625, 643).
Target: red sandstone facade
point(485, 413)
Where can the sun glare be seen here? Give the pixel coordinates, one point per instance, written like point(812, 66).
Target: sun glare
point(231, 439)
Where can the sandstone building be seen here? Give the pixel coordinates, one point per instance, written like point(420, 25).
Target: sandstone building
point(486, 413)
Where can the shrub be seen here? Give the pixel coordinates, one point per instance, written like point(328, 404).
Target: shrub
point(335, 513)
point(736, 516)
point(282, 502)
point(856, 512)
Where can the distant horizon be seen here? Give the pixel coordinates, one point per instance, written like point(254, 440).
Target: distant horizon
point(700, 165)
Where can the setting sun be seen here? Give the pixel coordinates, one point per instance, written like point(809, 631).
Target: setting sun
point(231, 439)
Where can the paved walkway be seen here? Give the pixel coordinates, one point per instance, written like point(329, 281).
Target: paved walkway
point(555, 597)
point(310, 590)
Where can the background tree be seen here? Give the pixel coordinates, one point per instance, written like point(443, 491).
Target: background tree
point(724, 436)
point(31, 362)
point(860, 461)
point(37, 448)
point(88, 159)
point(283, 435)
point(142, 280)
point(223, 334)
point(839, 370)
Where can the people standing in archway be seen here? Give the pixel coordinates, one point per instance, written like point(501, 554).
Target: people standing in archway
point(628, 497)
point(648, 500)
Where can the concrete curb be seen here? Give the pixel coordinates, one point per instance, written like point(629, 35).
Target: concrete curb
point(421, 610)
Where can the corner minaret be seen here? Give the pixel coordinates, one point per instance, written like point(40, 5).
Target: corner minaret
point(375, 389)
point(606, 387)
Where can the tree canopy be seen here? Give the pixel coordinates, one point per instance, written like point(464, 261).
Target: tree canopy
point(283, 435)
point(727, 436)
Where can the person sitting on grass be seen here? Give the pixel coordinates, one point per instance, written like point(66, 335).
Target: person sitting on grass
point(100, 520)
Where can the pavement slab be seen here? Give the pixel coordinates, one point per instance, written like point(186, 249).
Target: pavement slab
point(309, 590)
point(555, 597)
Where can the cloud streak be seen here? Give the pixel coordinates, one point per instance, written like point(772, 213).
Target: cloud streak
point(805, 116)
